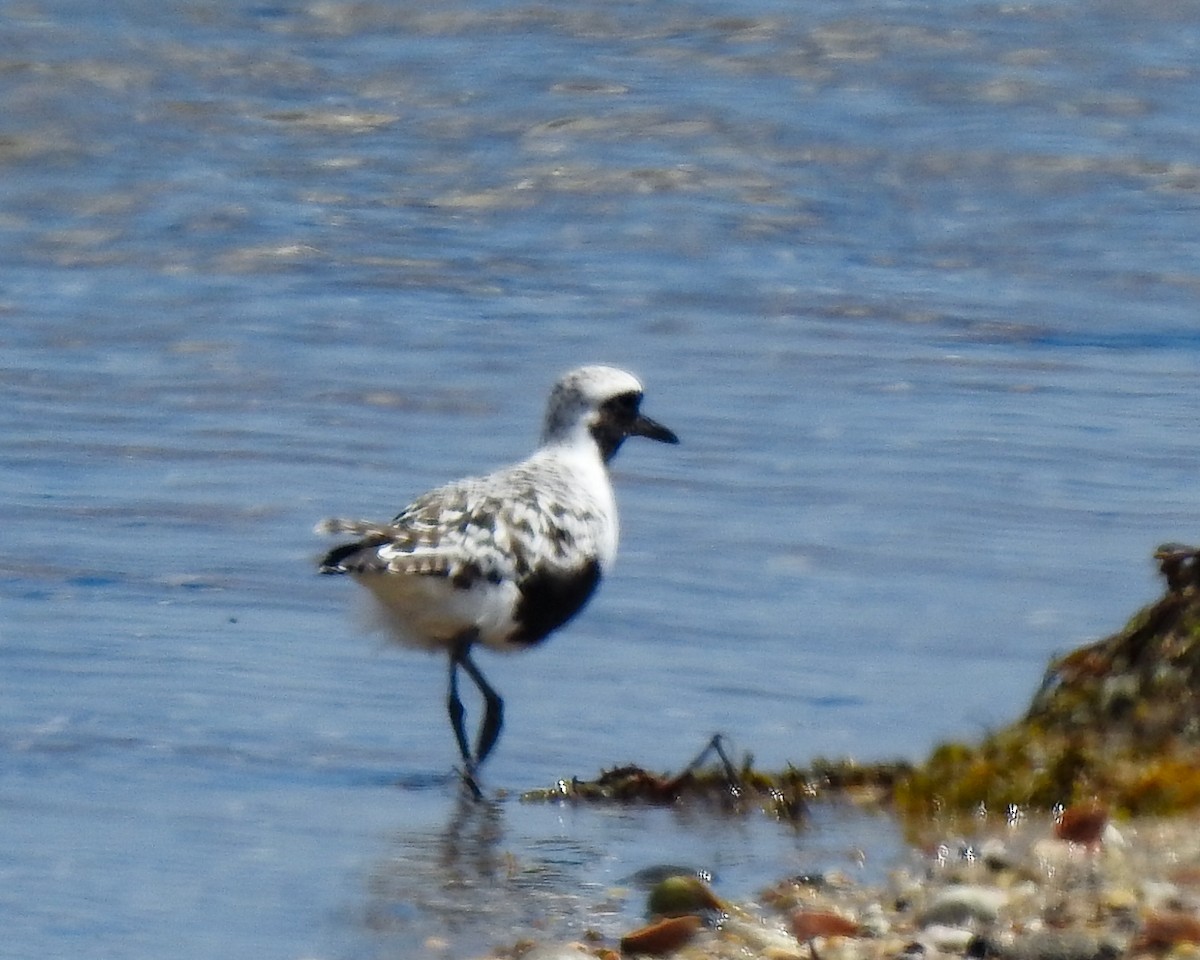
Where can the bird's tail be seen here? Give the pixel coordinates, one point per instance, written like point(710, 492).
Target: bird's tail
point(367, 533)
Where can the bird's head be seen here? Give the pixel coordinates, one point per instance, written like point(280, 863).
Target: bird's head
point(604, 402)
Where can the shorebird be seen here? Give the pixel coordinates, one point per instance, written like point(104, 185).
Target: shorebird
point(505, 559)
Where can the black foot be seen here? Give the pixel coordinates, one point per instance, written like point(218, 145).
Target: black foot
point(470, 783)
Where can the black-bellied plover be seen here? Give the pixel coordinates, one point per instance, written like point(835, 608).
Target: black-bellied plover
point(504, 560)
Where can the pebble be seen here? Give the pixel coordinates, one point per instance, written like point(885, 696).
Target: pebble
point(809, 924)
point(945, 939)
point(1056, 945)
point(761, 938)
point(963, 905)
point(662, 937)
point(681, 895)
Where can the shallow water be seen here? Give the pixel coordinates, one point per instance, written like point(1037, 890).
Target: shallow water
point(915, 284)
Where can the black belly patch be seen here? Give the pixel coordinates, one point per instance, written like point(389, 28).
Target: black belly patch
point(550, 599)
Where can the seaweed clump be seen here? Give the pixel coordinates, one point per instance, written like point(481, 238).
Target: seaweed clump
point(1116, 721)
point(714, 783)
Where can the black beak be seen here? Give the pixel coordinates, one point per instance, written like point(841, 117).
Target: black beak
point(643, 426)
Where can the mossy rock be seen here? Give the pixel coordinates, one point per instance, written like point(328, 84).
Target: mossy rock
point(1117, 720)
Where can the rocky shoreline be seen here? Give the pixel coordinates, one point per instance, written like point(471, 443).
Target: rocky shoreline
point(1013, 890)
point(1069, 835)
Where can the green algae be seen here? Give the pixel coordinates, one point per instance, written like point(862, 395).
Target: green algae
point(1116, 721)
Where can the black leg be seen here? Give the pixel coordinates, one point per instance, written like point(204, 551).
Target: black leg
point(493, 717)
point(455, 707)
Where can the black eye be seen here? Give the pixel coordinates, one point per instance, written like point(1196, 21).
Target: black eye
point(625, 404)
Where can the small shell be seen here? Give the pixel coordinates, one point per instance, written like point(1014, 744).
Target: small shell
point(661, 938)
point(807, 924)
point(1082, 823)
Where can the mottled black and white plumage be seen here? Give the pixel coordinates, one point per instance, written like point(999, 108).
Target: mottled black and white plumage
point(505, 559)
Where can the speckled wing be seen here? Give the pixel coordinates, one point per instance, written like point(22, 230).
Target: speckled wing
point(505, 527)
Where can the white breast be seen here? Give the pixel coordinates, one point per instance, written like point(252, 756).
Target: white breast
point(585, 483)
